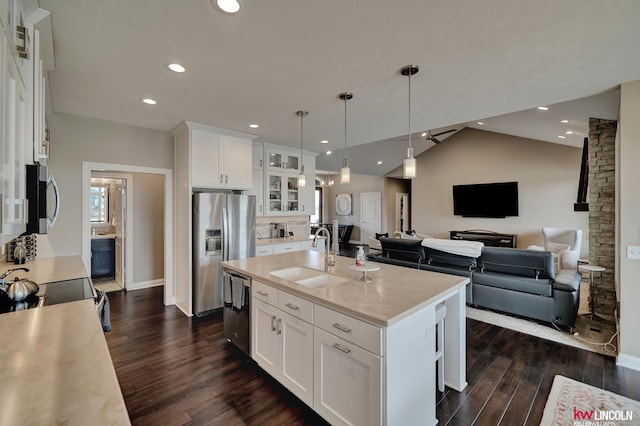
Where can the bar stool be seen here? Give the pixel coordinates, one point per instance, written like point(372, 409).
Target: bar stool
point(441, 313)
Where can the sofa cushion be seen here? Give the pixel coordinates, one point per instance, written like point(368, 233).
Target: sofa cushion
point(407, 250)
point(386, 234)
point(441, 258)
point(523, 263)
point(539, 287)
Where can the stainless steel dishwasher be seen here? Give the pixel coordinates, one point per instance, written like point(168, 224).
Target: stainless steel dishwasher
point(237, 310)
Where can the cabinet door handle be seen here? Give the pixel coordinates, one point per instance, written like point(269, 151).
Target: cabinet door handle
point(342, 327)
point(260, 163)
point(273, 326)
point(292, 306)
point(226, 178)
point(220, 178)
point(260, 292)
point(278, 325)
point(339, 347)
point(260, 208)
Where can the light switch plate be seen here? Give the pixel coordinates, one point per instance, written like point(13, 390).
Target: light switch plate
point(633, 252)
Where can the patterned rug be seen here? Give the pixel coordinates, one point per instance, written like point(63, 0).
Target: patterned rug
point(575, 403)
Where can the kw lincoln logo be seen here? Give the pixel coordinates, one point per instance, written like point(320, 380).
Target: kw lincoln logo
point(602, 417)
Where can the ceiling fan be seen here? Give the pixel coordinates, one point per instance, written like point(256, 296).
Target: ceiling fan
point(433, 137)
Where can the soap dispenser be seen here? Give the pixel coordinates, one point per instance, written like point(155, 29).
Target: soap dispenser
point(19, 253)
point(360, 257)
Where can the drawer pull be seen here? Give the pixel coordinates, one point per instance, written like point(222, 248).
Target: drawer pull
point(292, 306)
point(341, 348)
point(278, 325)
point(341, 327)
point(262, 293)
point(273, 326)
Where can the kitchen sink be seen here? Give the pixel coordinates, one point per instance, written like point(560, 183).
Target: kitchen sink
point(309, 277)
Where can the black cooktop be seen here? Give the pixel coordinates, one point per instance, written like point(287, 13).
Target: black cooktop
point(51, 293)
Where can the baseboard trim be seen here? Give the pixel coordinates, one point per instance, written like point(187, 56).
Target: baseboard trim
point(628, 361)
point(145, 284)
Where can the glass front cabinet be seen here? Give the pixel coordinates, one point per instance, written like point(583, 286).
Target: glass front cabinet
point(283, 193)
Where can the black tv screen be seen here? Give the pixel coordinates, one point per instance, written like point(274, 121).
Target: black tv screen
point(486, 200)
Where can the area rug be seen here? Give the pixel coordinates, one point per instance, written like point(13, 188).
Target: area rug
point(574, 403)
point(108, 287)
point(598, 333)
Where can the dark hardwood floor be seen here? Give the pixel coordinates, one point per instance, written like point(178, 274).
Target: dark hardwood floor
point(177, 370)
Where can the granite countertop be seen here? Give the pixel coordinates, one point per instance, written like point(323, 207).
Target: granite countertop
point(56, 366)
point(395, 293)
point(48, 269)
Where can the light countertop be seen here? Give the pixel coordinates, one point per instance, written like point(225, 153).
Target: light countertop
point(395, 293)
point(56, 366)
point(48, 269)
point(295, 238)
point(103, 236)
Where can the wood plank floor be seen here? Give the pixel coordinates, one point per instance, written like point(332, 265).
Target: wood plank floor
point(177, 370)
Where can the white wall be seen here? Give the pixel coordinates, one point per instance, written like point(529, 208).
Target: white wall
point(76, 139)
point(358, 185)
point(547, 176)
point(629, 224)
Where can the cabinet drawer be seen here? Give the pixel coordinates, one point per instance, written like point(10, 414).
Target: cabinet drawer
point(264, 292)
point(264, 250)
point(365, 335)
point(286, 247)
point(295, 306)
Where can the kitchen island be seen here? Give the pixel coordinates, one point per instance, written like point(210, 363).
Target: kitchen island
point(356, 353)
point(56, 366)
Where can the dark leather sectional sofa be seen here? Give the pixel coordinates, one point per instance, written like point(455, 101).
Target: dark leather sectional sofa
point(515, 281)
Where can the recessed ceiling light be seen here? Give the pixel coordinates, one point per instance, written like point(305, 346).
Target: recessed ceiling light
point(329, 152)
point(176, 68)
point(253, 126)
point(562, 137)
point(324, 141)
point(564, 121)
point(543, 108)
point(424, 134)
point(379, 162)
point(227, 6)
point(481, 123)
point(570, 132)
point(149, 101)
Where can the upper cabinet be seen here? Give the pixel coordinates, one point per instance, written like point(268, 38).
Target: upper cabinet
point(218, 159)
point(281, 159)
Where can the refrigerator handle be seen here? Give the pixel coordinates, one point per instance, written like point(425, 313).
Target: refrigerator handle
point(225, 234)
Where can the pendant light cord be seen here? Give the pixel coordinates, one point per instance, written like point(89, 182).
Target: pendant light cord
point(345, 128)
point(410, 111)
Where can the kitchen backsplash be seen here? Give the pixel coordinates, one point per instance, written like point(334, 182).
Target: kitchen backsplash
point(299, 225)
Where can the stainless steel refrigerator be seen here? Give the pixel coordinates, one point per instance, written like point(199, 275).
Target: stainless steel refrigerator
point(224, 228)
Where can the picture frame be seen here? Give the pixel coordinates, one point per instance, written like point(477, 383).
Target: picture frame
point(343, 204)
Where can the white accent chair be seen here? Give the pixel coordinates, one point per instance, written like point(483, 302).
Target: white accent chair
point(565, 244)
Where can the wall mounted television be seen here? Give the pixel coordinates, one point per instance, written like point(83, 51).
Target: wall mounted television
point(492, 200)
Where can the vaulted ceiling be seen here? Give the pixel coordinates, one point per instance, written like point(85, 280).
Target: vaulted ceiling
point(477, 60)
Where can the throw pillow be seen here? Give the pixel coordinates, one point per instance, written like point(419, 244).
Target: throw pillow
point(386, 234)
point(557, 247)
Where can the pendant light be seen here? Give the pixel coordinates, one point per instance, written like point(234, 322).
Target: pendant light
point(409, 170)
point(302, 180)
point(345, 171)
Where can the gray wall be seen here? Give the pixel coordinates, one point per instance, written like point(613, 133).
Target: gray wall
point(76, 139)
point(547, 176)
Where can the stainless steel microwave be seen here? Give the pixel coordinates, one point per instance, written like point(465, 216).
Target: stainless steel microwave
point(44, 199)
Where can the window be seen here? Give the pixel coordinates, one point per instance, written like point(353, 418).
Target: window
point(99, 204)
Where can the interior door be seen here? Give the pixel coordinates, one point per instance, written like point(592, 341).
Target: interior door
point(370, 215)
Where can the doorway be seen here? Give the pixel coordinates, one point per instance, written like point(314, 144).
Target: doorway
point(370, 215)
point(166, 226)
point(109, 201)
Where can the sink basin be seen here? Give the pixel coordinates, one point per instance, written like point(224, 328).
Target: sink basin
point(308, 277)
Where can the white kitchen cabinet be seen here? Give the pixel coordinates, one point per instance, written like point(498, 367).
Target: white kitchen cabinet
point(347, 381)
point(220, 161)
point(36, 133)
point(278, 158)
point(283, 194)
point(282, 345)
point(12, 144)
point(264, 250)
point(258, 156)
point(287, 247)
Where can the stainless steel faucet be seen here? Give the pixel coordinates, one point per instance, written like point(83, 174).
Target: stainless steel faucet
point(329, 261)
